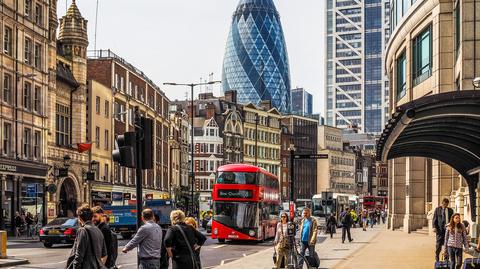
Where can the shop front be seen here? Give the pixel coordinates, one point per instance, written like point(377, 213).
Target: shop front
point(22, 190)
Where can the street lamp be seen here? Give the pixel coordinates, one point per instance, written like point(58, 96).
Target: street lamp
point(476, 83)
point(192, 173)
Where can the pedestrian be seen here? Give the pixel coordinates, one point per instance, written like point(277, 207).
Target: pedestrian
point(383, 216)
point(331, 224)
point(364, 220)
point(455, 240)
point(89, 250)
point(282, 246)
point(191, 221)
point(467, 226)
point(29, 223)
point(164, 260)
point(99, 219)
point(372, 218)
point(181, 241)
point(308, 235)
point(346, 220)
point(148, 239)
point(354, 217)
point(441, 217)
point(19, 224)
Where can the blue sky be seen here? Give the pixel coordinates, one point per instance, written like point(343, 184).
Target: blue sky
point(184, 40)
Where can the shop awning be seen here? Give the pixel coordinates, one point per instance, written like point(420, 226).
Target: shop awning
point(444, 127)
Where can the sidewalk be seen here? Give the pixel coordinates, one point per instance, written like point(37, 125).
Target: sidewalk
point(10, 262)
point(330, 251)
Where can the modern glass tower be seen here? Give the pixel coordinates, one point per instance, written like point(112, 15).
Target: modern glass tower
point(357, 87)
point(302, 102)
point(256, 60)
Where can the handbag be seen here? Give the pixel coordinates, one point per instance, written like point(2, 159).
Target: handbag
point(192, 254)
point(283, 243)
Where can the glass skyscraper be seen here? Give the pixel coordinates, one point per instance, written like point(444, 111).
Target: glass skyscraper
point(357, 87)
point(256, 60)
point(302, 102)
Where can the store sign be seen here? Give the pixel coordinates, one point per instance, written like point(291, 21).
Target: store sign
point(117, 196)
point(29, 168)
point(8, 168)
point(101, 196)
point(127, 196)
point(243, 194)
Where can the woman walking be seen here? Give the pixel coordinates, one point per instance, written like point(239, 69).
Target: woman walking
point(331, 224)
point(281, 243)
point(182, 241)
point(455, 240)
point(193, 223)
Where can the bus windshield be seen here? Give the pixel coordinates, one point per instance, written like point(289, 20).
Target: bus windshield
point(237, 178)
point(322, 207)
point(235, 215)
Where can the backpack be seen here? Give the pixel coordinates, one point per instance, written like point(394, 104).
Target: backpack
point(344, 218)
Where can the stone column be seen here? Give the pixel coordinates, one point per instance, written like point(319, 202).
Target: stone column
point(397, 193)
point(415, 217)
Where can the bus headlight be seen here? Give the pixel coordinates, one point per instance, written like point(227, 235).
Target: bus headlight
point(215, 231)
point(251, 233)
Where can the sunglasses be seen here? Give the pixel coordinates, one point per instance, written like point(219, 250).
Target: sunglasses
point(284, 217)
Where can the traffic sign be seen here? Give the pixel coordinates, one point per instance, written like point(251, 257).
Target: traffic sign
point(310, 156)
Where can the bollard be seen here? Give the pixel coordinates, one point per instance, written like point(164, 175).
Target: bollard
point(3, 244)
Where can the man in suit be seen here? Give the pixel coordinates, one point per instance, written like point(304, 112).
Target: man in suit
point(441, 218)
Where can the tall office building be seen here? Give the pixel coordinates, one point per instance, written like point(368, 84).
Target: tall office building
point(302, 102)
point(357, 87)
point(256, 60)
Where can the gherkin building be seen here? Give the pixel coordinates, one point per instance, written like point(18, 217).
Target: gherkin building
point(256, 61)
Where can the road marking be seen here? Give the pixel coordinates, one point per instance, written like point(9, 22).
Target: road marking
point(220, 246)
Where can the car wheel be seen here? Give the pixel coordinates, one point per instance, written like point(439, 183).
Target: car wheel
point(221, 240)
point(47, 245)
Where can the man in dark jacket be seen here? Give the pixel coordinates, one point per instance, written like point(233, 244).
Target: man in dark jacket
point(99, 221)
point(441, 217)
point(346, 219)
point(89, 250)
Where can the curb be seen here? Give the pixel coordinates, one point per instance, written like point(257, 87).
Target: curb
point(14, 262)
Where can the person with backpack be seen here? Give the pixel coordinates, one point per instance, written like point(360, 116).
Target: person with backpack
point(149, 241)
point(346, 220)
point(331, 224)
point(455, 240)
point(111, 241)
point(308, 236)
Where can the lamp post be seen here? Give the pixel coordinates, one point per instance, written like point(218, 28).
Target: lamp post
point(192, 173)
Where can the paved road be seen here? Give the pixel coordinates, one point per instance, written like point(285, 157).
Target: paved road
point(213, 254)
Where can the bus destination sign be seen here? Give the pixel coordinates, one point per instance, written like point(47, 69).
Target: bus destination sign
point(242, 194)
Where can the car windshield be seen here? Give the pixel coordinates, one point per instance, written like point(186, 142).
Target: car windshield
point(236, 215)
point(63, 222)
point(237, 178)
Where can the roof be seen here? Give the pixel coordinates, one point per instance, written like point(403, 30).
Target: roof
point(238, 167)
point(444, 127)
point(65, 74)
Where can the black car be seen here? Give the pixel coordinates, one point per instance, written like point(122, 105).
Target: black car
point(59, 231)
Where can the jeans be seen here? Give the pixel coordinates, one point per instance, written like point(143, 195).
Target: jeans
point(304, 246)
point(150, 264)
point(456, 256)
point(282, 254)
point(346, 230)
point(439, 243)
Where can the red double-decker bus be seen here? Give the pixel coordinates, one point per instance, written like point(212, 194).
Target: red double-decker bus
point(375, 202)
point(246, 203)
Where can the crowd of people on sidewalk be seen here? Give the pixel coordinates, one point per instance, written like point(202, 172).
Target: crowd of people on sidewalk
point(96, 246)
point(25, 224)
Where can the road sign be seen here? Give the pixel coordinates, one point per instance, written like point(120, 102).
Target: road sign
point(310, 156)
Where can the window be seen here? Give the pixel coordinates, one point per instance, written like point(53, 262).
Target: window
point(28, 51)
point(7, 88)
point(7, 138)
point(107, 108)
point(106, 172)
point(38, 56)
point(422, 56)
point(211, 148)
point(38, 14)
point(7, 41)
point(401, 76)
point(36, 145)
point(97, 105)
point(62, 125)
point(107, 137)
point(28, 8)
point(27, 136)
point(27, 96)
point(458, 23)
point(36, 99)
point(97, 137)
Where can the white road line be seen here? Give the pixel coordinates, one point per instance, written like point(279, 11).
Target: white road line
point(220, 246)
point(222, 262)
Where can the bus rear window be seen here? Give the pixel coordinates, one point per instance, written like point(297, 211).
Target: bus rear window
point(237, 178)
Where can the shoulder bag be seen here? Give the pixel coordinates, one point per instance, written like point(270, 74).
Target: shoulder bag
point(192, 254)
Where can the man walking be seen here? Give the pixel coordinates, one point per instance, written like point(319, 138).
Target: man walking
point(308, 235)
point(89, 250)
point(346, 219)
point(441, 217)
point(110, 242)
point(149, 242)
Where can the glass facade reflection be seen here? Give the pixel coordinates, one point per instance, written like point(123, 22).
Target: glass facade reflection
point(256, 61)
point(302, 102)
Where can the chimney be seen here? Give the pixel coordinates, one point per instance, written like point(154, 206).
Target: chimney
point(231, 96)
point(266, 104)
point(210, 109)
point(189, 110)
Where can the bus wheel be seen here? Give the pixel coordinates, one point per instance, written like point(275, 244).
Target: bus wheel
point(221, 240)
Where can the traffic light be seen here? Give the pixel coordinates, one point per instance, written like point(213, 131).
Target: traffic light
point(147, 143)
point(125, 149)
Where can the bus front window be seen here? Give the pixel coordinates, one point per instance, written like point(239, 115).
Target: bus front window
point(235, 215)
point(237, 178)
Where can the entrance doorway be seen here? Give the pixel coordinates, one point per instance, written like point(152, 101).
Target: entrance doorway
point(67, 205)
